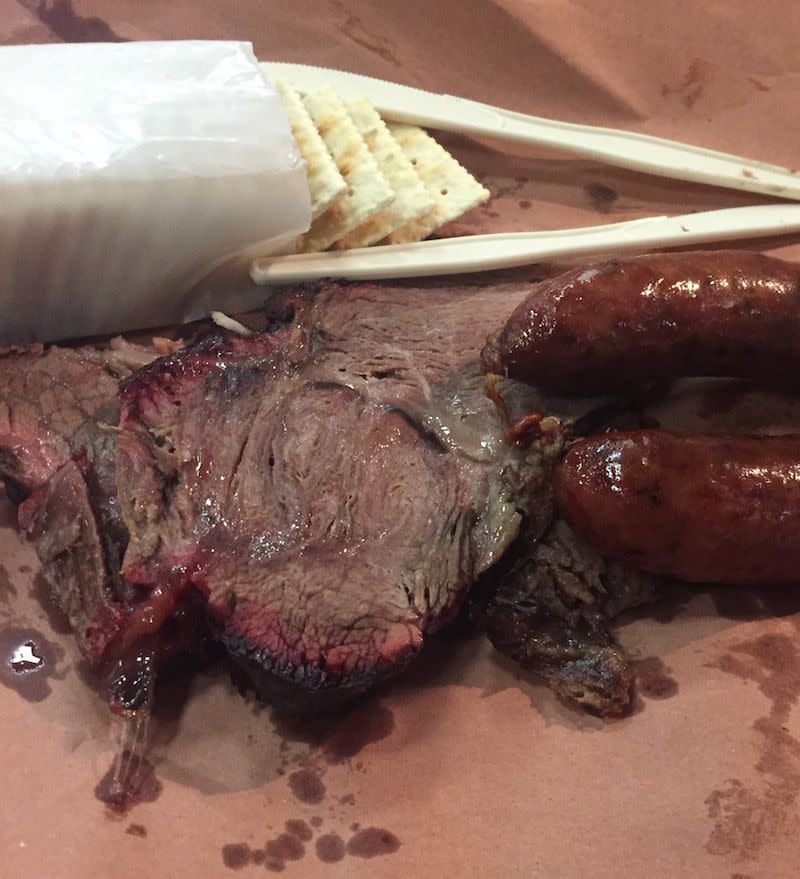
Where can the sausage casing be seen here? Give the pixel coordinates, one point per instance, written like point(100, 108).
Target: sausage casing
point(661, 316)
point(699, 507)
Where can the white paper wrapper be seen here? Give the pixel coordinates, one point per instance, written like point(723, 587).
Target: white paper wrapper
point(127, 171)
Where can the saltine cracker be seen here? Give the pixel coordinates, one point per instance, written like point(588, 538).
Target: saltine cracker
point(453, 189)
point(411, 199)
point(325, 183)
point(367, 190)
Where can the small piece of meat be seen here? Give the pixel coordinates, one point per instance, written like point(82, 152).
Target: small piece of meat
point(627, 322)
point(58, 457)
point(548, 607)
point(49, 397)
point(704, 508)
point(59, 520)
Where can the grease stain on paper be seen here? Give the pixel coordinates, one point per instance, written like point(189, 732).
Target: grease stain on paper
point(691, 88)
point(236, 855)
point(330, 848)
point(297, 827)
point(601, 196)
point(654, 679)
point(371, 842)
point(65, 23)
point(307, 786)
point(363, 726)
point(334, 742)
point(746, 817)
point(284, 847)
point(354, 29)
point(136, 830)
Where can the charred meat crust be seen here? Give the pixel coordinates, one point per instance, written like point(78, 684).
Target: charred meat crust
point(548, 605)
point(302, 689)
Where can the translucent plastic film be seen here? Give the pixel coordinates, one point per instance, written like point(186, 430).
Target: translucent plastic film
point(127, 171)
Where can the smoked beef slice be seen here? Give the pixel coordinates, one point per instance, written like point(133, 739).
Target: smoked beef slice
point(332, 488)
point(329, 489)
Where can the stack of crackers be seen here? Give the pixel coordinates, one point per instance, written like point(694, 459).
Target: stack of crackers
point(371, 181)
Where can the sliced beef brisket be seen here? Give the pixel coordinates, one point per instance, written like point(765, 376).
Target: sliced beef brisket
point(333, 488)
point(328, 491)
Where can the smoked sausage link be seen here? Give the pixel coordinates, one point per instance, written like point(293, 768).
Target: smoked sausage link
point(616, 325)
point(699, 507)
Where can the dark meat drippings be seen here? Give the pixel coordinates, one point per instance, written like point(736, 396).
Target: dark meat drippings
point(548, 607)
point(167, 625)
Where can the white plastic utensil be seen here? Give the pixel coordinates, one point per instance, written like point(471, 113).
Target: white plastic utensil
point(473, 253)
point(625, 149)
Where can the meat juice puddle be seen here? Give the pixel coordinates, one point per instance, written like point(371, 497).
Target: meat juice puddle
point(129, 688)
point(28, 662)
point(131, 778)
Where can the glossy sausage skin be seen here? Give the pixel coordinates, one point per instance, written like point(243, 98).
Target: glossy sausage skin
point(619, 324)
point(699, 507)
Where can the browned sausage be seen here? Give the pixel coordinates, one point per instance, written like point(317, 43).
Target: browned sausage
point(610, 326)
point(699, 507)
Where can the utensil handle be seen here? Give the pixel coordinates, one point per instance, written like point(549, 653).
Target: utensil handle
point(625, 149)
point(637, 152)
point(475, 253)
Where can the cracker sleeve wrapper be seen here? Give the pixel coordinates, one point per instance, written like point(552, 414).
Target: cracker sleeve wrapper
point(127, 172)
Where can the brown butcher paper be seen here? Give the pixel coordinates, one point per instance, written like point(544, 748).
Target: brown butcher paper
point(465, 766)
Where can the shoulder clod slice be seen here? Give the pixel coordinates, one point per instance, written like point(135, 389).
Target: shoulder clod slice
point(453, 189)
point(412, 200)
point(325, 183)
point(367, 189)
point(331, 488)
